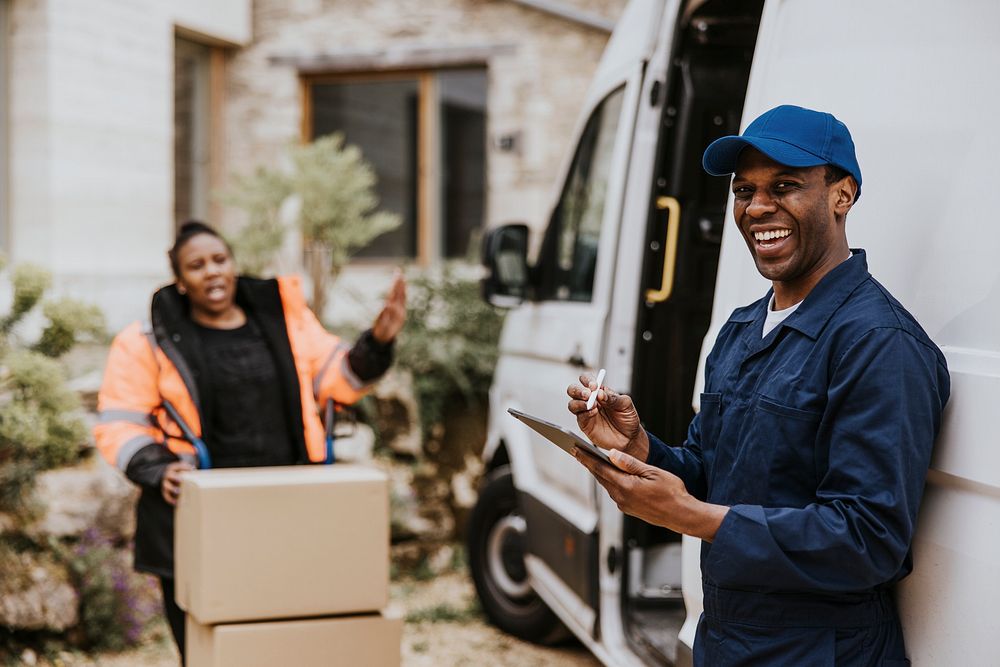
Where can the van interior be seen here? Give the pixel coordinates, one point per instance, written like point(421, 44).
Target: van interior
point(705, 89)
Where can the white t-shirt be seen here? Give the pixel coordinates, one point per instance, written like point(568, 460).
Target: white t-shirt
point(776, 317)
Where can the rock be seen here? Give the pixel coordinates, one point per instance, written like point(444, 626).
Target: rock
point(442, 559)
point(465, 482)
point(90, 495)
point(356, 445)
point(398, 414)
point(432, 488)
point(405, 518)
point(36, 594)
point(29, 657)
point(407, 556)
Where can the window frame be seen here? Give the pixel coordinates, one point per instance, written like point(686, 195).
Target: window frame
point(429, 209)
point(546, 271)
point(215, 139)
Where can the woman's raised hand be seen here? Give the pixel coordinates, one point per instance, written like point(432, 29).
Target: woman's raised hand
point(393, 315)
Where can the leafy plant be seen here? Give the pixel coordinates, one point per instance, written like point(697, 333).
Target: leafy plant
point(261, 194)
point(39, 428)
point(335, 207)
point(450, 342)
point(116, 604)
point(446, 613)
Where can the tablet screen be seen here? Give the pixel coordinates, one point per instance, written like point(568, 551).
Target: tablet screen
point(561, 437)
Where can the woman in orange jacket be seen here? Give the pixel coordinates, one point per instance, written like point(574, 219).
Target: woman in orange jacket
point(229, 372)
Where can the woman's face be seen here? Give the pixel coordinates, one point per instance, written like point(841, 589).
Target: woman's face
point(207, 274)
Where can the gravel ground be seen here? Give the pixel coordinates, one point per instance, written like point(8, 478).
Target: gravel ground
point(444, 628)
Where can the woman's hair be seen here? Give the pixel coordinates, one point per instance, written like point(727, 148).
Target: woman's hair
point(185, 233)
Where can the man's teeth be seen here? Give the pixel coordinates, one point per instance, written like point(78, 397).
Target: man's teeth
point(776, 234)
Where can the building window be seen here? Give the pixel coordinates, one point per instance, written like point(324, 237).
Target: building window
point(4, 125)
point(197, 99)
point(425, 135)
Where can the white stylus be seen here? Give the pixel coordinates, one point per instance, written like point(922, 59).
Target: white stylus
point(593, 396)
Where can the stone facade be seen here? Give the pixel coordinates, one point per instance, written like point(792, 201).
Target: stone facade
point(538, 75)
point(90, 166)
point(89, 89)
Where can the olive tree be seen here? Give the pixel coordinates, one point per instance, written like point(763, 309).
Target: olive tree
point(335, 207)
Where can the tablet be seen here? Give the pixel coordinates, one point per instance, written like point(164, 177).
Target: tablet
point(562, 438)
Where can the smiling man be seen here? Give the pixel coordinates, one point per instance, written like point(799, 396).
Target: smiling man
point(804, 469)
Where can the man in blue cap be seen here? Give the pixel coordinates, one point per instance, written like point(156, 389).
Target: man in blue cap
point(803, 470)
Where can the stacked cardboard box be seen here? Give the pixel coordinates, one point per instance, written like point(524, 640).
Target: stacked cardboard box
point(280, 566)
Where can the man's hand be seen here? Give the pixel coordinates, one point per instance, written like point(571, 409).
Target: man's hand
point(393, 315)
point(612, 423)
point(170, 486)
point(654, 495)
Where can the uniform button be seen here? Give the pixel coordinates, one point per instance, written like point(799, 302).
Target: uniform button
point(176, 338)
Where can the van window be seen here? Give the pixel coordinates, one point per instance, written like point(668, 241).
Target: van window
point(569, 253)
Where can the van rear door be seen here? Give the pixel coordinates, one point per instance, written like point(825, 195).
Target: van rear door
point(549, 341)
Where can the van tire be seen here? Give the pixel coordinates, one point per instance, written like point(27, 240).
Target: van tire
point(496, 562)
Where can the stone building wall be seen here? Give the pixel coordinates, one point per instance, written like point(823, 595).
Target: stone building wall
point(90, 89)
point(538, 74)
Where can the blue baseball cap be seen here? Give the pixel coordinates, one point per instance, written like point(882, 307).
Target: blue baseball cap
point(792, 136)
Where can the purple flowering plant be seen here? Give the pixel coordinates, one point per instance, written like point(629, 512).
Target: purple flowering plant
point(116, 603)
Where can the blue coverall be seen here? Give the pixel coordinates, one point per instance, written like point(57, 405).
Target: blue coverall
point(818, 437)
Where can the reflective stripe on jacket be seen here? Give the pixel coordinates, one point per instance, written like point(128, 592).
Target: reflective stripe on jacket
point(140, 375)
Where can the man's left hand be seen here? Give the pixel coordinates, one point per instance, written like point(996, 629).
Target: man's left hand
point(653, 495)
point(389, 322)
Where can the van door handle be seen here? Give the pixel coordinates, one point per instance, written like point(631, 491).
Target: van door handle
point(577, 360)
point(673, 208)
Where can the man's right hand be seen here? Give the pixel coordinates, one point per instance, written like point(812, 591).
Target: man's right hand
point(613, 422)
point(170, 487)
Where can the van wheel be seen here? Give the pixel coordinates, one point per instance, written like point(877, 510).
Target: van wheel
point(496, 562)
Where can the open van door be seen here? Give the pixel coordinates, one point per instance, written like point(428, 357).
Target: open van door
point(560, 332)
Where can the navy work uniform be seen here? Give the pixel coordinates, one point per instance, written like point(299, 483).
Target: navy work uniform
point(818, 437)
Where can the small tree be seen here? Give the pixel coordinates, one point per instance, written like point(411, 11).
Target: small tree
point(38, 427)
point(337, 210)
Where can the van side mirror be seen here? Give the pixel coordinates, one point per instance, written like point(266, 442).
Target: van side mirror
point(505, 258)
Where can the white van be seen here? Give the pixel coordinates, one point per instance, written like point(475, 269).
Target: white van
point(640, 266)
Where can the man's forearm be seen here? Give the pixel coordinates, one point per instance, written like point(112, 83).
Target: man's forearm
point(638, 447)
point(700, 519)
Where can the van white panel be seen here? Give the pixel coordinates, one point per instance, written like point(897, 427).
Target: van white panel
point(948, 604)
point(632, 42)
point(916, 82)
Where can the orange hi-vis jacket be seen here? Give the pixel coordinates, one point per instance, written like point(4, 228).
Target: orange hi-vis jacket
point(144, 369)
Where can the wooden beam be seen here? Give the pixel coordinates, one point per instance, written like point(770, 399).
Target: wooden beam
point(428, 172)
point(392, 58)
point(216, 130)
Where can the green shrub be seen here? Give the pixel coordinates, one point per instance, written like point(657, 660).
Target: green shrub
point(449, 343)
point(68, 320)
point(39, 425)
point(116, 604)
point(337, 210)
point(446, 613)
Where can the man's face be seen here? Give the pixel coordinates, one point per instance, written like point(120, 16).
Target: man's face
point(788, 217)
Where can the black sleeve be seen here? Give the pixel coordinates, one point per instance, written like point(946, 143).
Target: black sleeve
point(147, 465)
point(369, 359)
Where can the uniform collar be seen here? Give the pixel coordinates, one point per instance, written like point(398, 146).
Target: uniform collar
point(821, 303)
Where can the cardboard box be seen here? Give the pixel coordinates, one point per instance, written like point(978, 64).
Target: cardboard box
point(266, 543)
point(347, 641)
